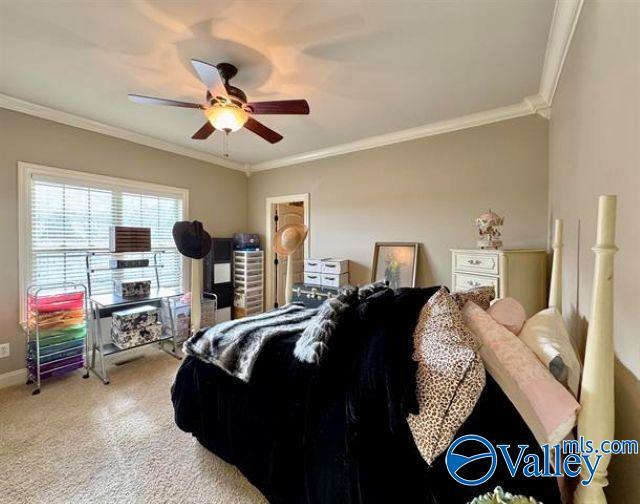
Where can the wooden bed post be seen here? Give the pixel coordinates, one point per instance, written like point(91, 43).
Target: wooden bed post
point(555, 288)
point(596, 418)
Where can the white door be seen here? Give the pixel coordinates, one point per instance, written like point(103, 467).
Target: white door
point(288, 213)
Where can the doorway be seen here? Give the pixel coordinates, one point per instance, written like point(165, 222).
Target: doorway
point(280, 211)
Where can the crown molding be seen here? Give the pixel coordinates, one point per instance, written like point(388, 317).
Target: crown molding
point(563, 26)
point(33, 109)
point(468, 121)
point(538, 105)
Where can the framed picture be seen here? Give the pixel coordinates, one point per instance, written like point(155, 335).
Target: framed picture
point(395, 263)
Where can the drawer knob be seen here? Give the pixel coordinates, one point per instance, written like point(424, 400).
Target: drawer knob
point(474, 262)
point(473, 284)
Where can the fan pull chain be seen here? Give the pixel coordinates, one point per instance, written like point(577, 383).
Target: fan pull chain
point(225, 144)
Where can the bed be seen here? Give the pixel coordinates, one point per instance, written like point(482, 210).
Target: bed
point(337, 433)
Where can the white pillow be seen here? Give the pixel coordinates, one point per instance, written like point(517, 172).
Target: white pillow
point(546, 335)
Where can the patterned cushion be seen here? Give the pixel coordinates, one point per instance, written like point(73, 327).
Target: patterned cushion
point(450, 375)
point(482, 296)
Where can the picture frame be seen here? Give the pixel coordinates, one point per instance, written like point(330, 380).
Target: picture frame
point(395, 263)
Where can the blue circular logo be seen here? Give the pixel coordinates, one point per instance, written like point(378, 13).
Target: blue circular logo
point(455, 461)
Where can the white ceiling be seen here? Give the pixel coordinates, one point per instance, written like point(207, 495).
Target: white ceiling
point(367, 68)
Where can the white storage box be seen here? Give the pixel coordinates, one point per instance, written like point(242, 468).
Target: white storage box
point(334, 266)
point(313, 265)
point(329, 280)
point(311, 278)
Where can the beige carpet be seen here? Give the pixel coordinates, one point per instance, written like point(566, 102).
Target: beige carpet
point(80, 441)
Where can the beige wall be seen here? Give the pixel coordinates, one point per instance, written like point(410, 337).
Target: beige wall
point(427, 191)
point(594, 148)
point(217, 196)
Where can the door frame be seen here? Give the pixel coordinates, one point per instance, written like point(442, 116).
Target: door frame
point(268, 249)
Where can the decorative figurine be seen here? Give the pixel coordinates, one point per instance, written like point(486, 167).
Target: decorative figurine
point(488, 231)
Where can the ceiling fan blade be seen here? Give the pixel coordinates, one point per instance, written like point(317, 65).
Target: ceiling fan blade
point(205, 132)
point(150, 100)
point(280, 107)
point(261, 130)
point(210, 76)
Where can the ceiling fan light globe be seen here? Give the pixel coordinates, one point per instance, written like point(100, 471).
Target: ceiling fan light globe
point(226, 117)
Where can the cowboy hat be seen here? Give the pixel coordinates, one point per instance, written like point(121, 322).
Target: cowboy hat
point(191, 239)
point(288, 238)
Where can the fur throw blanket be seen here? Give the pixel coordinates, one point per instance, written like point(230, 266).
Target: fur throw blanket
point(234, 346)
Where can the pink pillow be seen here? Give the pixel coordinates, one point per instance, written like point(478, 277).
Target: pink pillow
point(509, 313)
point(546, 406)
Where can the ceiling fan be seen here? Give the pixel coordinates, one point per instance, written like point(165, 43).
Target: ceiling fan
point(226, 107)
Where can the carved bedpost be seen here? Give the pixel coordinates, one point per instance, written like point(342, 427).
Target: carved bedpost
point(596, 418)
point(555, 288)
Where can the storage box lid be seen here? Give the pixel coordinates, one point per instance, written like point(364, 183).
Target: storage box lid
point(135, 310)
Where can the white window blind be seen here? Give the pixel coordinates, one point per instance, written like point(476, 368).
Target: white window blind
point(69, 217)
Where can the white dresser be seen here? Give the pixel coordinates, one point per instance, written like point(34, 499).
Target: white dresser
point(521, 274)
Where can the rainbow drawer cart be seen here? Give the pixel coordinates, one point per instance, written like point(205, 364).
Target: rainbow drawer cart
point(56, 331)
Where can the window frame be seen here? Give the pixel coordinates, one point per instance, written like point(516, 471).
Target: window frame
point(26, 171)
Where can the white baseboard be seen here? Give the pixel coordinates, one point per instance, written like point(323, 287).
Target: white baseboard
point(17, 377)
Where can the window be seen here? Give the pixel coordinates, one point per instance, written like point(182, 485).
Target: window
point(65, 214)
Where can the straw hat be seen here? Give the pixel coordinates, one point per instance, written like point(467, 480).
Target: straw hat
point(288, 238)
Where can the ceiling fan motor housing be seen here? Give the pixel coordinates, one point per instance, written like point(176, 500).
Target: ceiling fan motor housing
point(227, 72)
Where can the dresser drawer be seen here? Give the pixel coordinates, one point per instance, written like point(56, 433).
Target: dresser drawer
point(463, 282)
point(486, 264)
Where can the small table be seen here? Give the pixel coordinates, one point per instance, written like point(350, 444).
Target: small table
point(102, 306)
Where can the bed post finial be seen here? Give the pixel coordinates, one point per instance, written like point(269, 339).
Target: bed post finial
point(596, 419)
point(555, 288)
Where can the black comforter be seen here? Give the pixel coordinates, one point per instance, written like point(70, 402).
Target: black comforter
point(337, 433)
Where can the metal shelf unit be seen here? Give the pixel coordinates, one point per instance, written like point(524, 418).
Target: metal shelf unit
point(103, 305)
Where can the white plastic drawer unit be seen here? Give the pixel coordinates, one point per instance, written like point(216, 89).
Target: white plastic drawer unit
point(312, 278)
point(329, 280)
point(334, 266)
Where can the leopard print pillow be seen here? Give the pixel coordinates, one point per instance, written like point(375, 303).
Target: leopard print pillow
point(482, 296)
point(450, 375)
